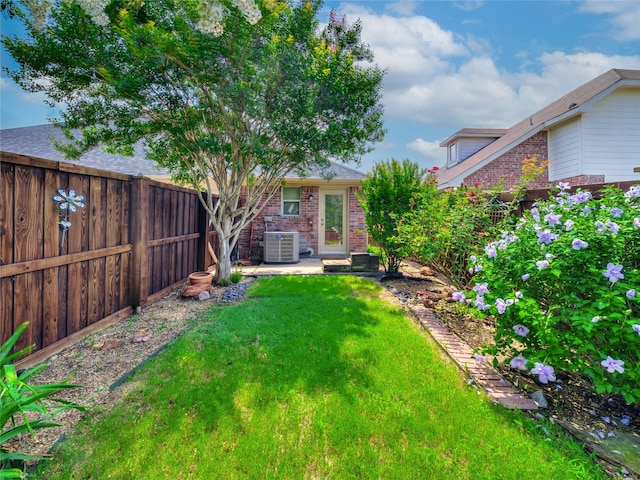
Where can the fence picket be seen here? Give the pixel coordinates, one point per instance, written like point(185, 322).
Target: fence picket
point(135, 239)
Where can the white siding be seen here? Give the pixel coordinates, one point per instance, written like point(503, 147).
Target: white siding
point(611, 136)
point(467, 146)
point(564, 150)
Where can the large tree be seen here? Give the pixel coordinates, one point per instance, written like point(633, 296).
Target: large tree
point(231, 111)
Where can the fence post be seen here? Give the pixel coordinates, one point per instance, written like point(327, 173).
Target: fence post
point(139, 280)
point(203, 239)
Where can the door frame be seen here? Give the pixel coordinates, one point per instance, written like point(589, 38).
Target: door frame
point(342, 249)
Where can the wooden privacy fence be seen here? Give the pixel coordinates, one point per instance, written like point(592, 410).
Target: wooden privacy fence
point(135, 240)
point(543, 193)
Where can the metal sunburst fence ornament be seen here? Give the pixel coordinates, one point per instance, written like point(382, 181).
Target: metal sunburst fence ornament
point(67, 202)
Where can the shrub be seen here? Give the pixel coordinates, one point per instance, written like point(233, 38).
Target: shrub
point(18, 399)
point(448, 228)
point(388, 195)
point(565, 289)
point(236, 276)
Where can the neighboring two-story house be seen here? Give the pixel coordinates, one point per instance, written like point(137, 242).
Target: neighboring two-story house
point(590, 135)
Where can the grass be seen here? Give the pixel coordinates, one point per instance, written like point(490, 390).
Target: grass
point(310, 377)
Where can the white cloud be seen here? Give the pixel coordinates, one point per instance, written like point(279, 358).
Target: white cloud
point(37, 98)
point(624, 17)
point(412, 33)
point(430, 152)
point(561, 73)
point(438, 78)
point(409, 48)
point(402, 8)
point(12, 89)
point(475, 95)
point(468, 5)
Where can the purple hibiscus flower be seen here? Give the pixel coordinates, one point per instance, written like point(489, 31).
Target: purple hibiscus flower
point(545, 372)
point(458, 297)
point(613, 365)
point(542, 264)
point(613, 272)
point(519, 362)
point(552, 219)
point(577, 244)
point(546, 236)
point(616, 212)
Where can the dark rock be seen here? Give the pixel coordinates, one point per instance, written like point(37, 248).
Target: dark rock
point(235, 293)
point(540, 400)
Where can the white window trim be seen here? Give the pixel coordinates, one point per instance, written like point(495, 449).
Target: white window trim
point(452, 154)
point(299, 201)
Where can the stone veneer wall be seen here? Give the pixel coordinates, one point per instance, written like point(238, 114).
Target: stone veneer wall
point(508, 167)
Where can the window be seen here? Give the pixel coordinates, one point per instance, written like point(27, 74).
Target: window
point(453, 154)
point(290, 200)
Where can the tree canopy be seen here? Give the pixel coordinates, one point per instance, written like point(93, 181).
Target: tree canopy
point(232, 113)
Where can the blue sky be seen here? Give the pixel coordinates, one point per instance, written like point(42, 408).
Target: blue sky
point(456, 64)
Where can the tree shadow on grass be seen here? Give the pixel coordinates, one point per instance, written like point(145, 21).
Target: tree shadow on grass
point(307, 378)
point(288, 340)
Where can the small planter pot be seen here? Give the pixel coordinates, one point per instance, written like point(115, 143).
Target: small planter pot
point(201, 278)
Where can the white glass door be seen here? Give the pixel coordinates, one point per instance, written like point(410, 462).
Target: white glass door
point(334, 229)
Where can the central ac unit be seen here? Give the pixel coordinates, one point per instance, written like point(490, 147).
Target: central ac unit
point(281, 247)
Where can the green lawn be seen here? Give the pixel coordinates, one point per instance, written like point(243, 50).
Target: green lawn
point(310, 377)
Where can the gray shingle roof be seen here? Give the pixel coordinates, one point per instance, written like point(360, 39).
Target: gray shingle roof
point(335, 170)
point(35, 142)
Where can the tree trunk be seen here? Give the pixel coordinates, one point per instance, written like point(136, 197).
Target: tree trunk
point(223, 268)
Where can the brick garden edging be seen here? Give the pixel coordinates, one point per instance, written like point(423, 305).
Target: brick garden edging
point(484, 375)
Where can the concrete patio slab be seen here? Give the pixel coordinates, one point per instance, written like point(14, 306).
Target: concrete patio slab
point(306, 266)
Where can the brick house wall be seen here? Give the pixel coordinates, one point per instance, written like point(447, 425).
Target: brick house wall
point(358, 239)
point(581, 180)
point(250, 247)
point(250, 241)
point(508, 167)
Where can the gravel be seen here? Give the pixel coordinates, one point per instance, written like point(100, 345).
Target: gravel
point(235, 293)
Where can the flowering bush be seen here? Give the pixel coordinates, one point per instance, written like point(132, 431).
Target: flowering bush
point(564, 286)
point(447, 228)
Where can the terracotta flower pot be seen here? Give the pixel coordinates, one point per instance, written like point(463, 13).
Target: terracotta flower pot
point(201, 278)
